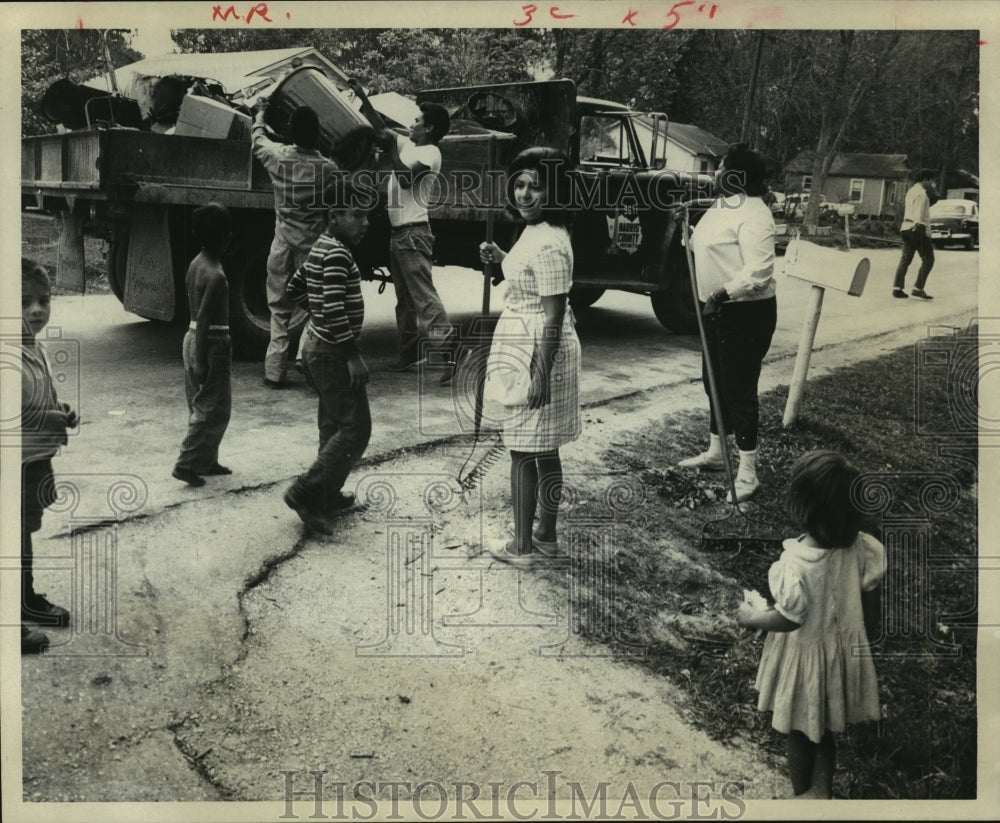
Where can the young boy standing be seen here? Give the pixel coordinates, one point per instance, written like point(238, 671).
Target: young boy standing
point(44, 421)
point(207, 351)
point(328, 286)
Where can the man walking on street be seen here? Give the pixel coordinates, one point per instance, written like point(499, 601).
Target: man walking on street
point(916, 234)
point(298, 173)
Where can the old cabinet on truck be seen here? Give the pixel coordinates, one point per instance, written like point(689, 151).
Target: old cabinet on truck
point(138, 189)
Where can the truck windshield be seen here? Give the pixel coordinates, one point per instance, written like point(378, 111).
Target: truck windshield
point(608, 140)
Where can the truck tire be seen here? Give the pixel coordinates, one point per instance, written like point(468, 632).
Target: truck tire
point(583, 297)
point(675, 306)
point(249, 316)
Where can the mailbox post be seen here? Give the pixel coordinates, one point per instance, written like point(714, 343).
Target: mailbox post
point(824, 268)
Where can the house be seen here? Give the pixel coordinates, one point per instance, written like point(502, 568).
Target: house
point(689, 148)
point(875, 183)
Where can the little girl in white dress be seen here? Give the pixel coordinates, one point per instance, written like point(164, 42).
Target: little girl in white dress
point(816, 672)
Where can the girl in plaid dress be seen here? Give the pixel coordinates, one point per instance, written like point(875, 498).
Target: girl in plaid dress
point(535, 339)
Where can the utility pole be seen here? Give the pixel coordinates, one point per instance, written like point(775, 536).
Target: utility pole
point(752, 91)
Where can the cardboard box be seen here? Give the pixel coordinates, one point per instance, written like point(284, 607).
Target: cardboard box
point(204, 117)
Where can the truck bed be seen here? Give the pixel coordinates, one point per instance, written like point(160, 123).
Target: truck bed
point(124, 165)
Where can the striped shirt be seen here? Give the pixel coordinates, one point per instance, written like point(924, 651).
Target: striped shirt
point(328, 286)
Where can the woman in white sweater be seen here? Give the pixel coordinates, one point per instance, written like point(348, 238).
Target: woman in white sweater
point(733, 247)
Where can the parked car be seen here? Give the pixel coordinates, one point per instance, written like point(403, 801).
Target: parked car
point(955, 221)
point(795, 207)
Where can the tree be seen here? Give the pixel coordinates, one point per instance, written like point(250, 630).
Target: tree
point(78, 55)
point(636, 67)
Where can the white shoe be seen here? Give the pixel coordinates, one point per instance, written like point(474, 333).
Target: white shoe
point(746, 482)
point(746, 487)
point(706, 460)
point(711, 459)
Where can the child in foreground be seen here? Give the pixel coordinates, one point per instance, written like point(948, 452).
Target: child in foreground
point(44, 420)
point(328, 286)
point(816, 673)
point(208, 351)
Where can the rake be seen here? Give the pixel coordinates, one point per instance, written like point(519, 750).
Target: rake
point(744, 535)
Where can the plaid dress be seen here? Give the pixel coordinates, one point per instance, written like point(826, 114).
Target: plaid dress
point(539, 265)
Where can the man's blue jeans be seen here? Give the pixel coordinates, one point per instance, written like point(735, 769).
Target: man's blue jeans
point(344, 420)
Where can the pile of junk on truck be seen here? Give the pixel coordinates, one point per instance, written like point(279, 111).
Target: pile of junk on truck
point(138, 149)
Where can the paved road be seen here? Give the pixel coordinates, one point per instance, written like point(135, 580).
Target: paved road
point(246, 633)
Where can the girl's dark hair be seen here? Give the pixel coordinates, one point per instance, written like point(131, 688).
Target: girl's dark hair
point(35, 273)
point(818, 498)
point(551, 166)
point(211, 226)
point(745, 172)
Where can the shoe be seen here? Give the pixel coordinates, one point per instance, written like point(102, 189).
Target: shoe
point(340, 504)
point(405, 361)
point(299, 367)
point(746, 483)
point(509, 556)
point(745, 489)
point(705, 460)
point(899, 293)
point(921, 294)
point(36, 609)
point(218, 468)
point(447, 375)
point(188, 476)
point(313, 520)
point(274, 384)
point(549, 548)
point(33, 641)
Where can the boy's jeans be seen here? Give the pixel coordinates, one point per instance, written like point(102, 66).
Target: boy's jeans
point(209, 405)
point(344, 419)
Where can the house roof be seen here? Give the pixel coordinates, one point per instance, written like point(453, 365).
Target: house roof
point(854, 165)
point(696, 140)
point(234, 70)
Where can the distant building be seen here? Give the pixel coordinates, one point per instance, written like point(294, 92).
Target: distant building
point(875, 183)
point(689, 148)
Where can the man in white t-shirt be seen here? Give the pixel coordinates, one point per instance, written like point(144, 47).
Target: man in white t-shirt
point(416, 162)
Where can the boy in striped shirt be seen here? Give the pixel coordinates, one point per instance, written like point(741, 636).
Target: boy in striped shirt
point(328, 286)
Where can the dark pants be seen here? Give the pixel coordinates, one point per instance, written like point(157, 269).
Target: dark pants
point(209, 405)
point(37, 494)
point(344, 420)
point(738, 336)
point(915, 240)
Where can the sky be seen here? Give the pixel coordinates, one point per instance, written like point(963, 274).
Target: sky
point(153, 41)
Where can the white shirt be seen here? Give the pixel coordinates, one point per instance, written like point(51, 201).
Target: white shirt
point(918, 209)
point(410, 205)
point(733, 247)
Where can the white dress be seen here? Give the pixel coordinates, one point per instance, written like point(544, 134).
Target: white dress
point(539, 265)
point(821, 675)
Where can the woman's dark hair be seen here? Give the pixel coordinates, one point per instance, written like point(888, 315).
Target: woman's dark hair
point(211, 226)
point(551, 166)
point(303, 127)
point(745, 172)
point(818, 498)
